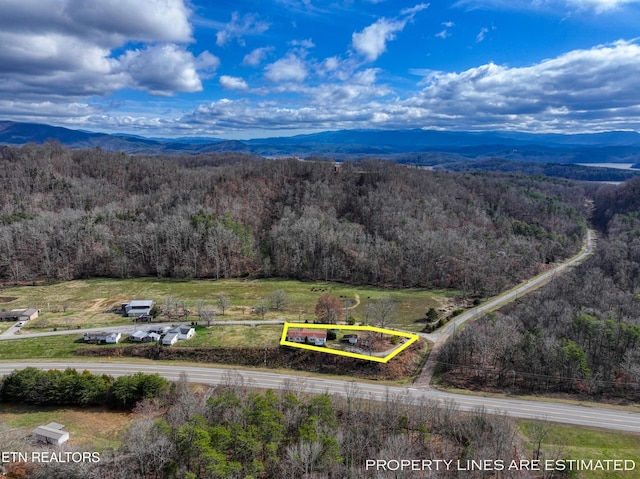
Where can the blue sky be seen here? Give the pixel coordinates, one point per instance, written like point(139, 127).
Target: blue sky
point(254, 68)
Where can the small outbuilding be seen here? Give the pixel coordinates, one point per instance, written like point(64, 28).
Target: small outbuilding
point(100, 338)
point(350, 338)
point(52, 433)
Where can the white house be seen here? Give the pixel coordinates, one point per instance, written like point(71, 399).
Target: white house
point(52, 433)
point(178, 333)
point(315, 337)
point(170, 339)
point(144, 336)
point(184, 332)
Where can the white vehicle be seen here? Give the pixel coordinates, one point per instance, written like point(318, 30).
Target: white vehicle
point(20, 324)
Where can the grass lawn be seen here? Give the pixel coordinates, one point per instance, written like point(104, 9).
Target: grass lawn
point(91, 427)
point(84, 302)
point(48, 347)
point(570, 442)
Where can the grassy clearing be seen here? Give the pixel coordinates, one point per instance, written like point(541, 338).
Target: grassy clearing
point(570, 442)
point(84, 302)
point(48, 347)
point(97, 428)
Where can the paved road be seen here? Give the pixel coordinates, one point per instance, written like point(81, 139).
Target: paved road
point(440, 337)
point(558, 412)
point(130, 328)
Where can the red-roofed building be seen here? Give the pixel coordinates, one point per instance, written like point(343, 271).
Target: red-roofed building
point(307, 336)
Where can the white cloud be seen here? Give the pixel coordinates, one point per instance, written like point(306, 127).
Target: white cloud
point(443, 34)
point(239, 27)
point(257, 56)
point(582, 85)
point(163, 70)
point(597, 6)
point(481, 35)
point(233, 83)
point(372, 41)
point(288, 69)
point(413, 10)
point(65, 49)
point(151, 20)
point(600, 6)
point(581, 90)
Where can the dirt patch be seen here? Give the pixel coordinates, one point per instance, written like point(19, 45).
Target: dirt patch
point(7, 299)
point(403, 366)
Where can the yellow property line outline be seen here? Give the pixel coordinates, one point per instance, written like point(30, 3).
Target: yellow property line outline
point(412, 338)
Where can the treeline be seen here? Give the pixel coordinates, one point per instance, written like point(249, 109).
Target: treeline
point(560, 170)
point(580, 333)
point(73, 388)
point(233, 432)
point(69, 214)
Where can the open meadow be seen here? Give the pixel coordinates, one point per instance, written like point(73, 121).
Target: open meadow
point(81, 304)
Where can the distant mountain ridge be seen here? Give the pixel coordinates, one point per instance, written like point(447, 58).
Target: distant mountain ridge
point(613, 146)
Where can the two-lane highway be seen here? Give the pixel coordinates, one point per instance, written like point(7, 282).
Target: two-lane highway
point(575, 414)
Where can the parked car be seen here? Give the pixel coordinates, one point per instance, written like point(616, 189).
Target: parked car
point(20, 324)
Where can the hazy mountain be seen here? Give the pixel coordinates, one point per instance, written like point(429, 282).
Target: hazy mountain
point(400, 145)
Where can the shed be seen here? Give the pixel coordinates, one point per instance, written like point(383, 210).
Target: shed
point(52, 433)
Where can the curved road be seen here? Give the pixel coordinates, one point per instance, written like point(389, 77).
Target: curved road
point(579, 415)
point(440, 337)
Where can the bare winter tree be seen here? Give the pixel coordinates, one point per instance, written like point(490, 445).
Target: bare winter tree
point(278, 300)
point(224, 302)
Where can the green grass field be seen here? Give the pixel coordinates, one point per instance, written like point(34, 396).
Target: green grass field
point(91, 427)
point(570, 442)
point(84, 302)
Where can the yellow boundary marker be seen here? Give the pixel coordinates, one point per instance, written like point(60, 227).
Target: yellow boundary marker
point(411, 338)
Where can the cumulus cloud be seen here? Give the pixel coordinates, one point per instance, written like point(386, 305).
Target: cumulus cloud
point(163, 70)
point(151, 20)
point(596, 83)
point(239, 27)
point(65, 49)
point(288, 69)
point(372, 40)
point(233, 83)
point(592, 89)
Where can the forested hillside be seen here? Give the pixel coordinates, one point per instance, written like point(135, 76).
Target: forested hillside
point(579, 334)
point(79, 213)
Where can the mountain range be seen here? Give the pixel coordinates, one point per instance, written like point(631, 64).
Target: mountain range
point(417, 146)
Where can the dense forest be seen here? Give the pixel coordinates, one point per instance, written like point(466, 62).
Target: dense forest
point(579, 334)
point(68, 214)
point(233, 432)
